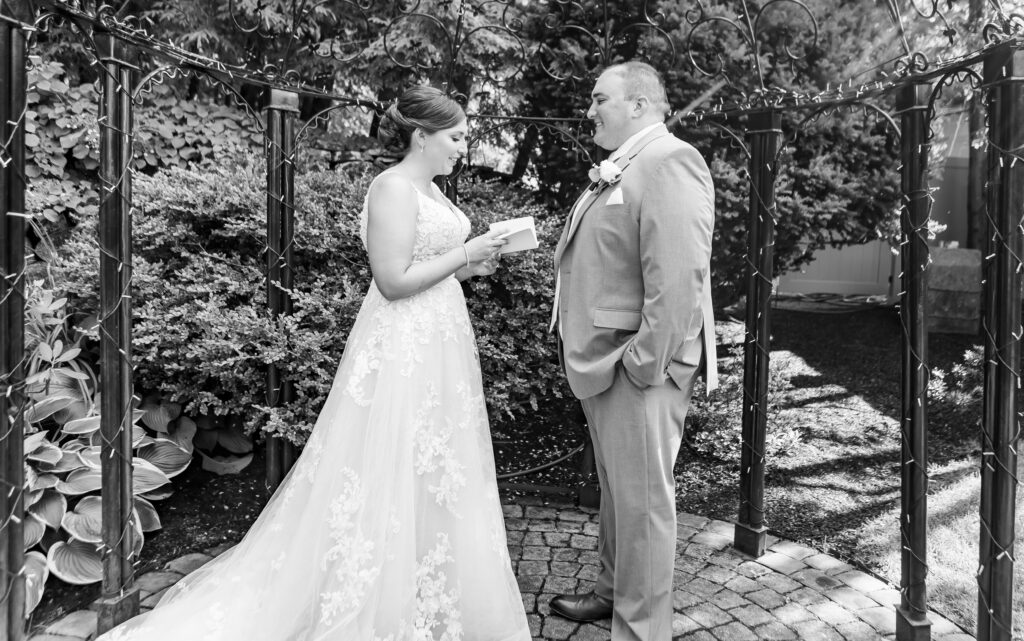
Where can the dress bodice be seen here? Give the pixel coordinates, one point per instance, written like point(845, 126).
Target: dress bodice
point(440, 225)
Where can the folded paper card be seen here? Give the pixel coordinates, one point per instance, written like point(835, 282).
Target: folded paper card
point(520, 233)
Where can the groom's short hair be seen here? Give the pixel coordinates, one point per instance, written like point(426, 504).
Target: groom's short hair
point(641, 79)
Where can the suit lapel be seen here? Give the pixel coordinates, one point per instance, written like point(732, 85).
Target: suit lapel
point(623, 162)
point(568, 223)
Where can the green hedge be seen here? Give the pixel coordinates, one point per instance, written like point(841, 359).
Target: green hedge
point(203, 336)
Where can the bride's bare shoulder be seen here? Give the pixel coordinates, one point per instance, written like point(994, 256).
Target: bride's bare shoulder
point(392, 185)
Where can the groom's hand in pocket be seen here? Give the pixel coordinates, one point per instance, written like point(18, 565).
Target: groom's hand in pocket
point(636, 382)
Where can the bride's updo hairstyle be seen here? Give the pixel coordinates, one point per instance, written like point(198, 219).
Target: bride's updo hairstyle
point(420, 107)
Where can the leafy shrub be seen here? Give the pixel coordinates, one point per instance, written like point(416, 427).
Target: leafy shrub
point(955, 397)
point(203, 336)
point(714, 422)
point(838, 186)
point(511, 311)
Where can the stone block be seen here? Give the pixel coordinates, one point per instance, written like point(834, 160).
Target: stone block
point(583, 542)
point(781, 563)
point(78, 625)
point(858, 631)
point(533, 568)
point(794, 550)
point(827, 564)
point(529, 603)
point(560, 585)
point(814, 578)
point(556, 539)
point(591, 632)
point(742, 584)
point(530, 583)
point(690, 520)
point(806, 596)
point(774, 631)
point(792, 613)
point(954, 290)
point(779, 583)
point(734, 631)
point(712, 540)
point(534, 538)
point(574, 516)
point(727, 599)
point(546, 513)
point(862, 582)
point(708, 615)
point(832, 613)
point(682, 624)
point(681, 599)
point(752, 615)
point(850, 598)
point(814, 629)
point(564, 568)
point(702, 587)
point(881, 618)
point(767, 599)
point(515, 524)
point(220, 548)
point(188, 563)
point(533, 620)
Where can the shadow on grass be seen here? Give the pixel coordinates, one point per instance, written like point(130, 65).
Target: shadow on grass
point(844, 395)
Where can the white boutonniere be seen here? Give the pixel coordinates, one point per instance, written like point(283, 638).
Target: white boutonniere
point(607, 173)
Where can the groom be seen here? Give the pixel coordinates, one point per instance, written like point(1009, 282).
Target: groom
point(633, 311)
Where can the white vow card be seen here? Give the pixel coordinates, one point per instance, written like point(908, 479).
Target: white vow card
point(615, 198)
point(520, 233)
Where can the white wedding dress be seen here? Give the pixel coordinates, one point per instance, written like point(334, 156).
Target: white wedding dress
point(389, 527)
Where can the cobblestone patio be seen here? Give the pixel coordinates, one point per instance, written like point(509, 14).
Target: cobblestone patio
point(792, 592)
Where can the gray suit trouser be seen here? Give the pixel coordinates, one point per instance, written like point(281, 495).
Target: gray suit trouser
point(637, 434)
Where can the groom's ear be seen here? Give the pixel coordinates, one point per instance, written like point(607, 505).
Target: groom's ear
point(641, 105)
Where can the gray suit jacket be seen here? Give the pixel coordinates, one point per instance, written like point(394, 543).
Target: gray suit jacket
point(635, 272)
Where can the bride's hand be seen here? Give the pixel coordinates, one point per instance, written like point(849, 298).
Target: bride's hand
point(485, 267)
point(484, 247)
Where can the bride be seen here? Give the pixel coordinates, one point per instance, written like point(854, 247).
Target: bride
point(388, 528)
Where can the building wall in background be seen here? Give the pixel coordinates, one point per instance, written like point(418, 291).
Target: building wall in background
point(872, 268)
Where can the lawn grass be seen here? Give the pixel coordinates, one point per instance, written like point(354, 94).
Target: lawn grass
point(953, 531)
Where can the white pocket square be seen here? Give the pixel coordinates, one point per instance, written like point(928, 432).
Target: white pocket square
point(615, 198)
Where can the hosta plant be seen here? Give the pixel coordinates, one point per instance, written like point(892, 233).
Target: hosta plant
point(63, 513)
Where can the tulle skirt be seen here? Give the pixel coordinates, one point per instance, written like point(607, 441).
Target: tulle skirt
point(388, 527)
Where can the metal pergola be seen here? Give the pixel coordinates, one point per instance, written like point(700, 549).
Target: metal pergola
point(756, 126)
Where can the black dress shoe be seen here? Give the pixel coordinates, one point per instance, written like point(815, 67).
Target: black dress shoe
point(582, 607)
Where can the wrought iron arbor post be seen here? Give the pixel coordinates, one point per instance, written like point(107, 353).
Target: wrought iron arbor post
point(1004, 82)
point(12, 319)
point(120, 600)
point(282, 109)
point(764, 133)
point(911, 616)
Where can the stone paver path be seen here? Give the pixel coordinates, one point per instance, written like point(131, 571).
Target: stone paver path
point(791, 592)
